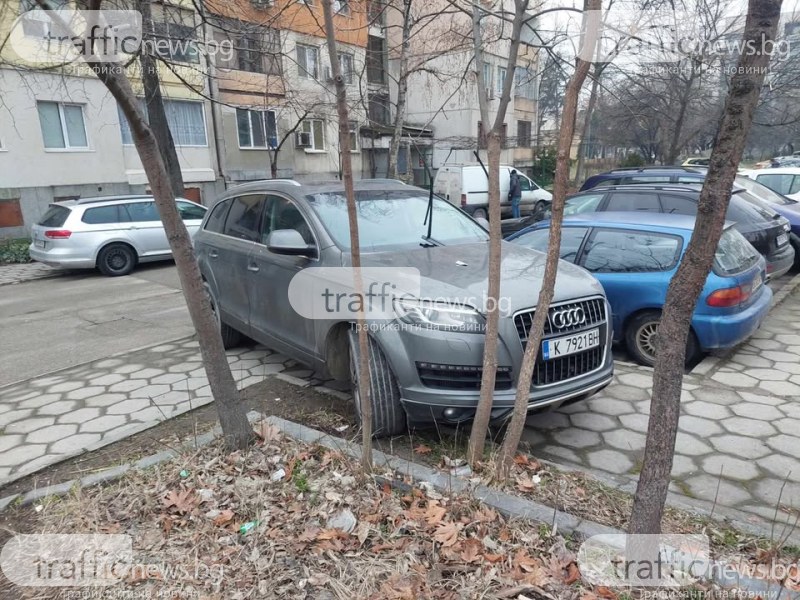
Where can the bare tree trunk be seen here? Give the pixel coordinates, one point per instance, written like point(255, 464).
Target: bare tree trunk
point(352, 216)
point(273, 164)
point(232, 414)
point(156, 114)
point(587, 123)
point(685, 287)
point(675, 140)
point(480, 424)
point(402, 89)
point(566, 132)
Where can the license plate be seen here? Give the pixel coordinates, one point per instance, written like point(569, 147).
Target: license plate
point(570, 344)
point(38, 243)
point(757, 283)
point(782, 239)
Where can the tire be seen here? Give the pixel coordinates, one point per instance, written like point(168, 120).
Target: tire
point(388, 416)
point(480, 213)
point(230, 336)
point(538, 210)
point(116, 260)
point(640, 339)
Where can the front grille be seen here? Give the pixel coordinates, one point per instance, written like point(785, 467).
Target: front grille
point(460, 377)
point(559, 369)
point(594, 309)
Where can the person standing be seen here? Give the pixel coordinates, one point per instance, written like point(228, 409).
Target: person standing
point(514, 193)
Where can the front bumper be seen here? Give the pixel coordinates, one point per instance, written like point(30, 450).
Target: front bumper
point(407, 347)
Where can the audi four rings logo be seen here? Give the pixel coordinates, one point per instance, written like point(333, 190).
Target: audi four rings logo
point(568, 317)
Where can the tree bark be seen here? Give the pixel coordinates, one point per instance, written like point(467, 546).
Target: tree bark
point(156, 114)
point(352, 216)
point(402, 89)
point(686, 285)
point(567, 130)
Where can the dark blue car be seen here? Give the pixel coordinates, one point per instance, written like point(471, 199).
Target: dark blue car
point(634, 255)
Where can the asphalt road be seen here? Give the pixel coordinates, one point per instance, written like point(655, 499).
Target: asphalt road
point(49, 324)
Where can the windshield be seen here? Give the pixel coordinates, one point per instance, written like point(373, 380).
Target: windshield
point(394, 219)
point(734, 253)
point(763, 192)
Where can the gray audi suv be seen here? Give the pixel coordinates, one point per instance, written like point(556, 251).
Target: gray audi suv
point(426, 350)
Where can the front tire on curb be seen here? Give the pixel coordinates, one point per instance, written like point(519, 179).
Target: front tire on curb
point(388, 416)
point(640, 339)
point(230, 337)
point(116, 260)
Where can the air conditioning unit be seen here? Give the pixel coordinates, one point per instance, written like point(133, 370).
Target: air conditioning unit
point(302, 139)
point(261, 3)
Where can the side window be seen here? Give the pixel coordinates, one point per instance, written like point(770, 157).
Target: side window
point(244, 217)
point(284, 214)
point(647, 179)
point(780, 183)
point(689, 179)
point(620, 251)
point(216, 222)
point(795, 185)
point(586, 203)
point(524, 184)
point(634, 201)
point(678, 205)
point(571, 239)
point(103, 215)
point(608, 182)
point(190, 211)
point(142, 211)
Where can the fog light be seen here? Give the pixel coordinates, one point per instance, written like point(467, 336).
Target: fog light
point(451, 413)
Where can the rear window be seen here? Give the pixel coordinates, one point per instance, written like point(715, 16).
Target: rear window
point(55, 216)
point(761, 191)
point(746, 208)
point(634, 201)
point(624, 251)
point(571, 238)
point(734, 253)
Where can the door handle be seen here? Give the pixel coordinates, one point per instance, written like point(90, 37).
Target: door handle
point(253, 268)
point(213, 254)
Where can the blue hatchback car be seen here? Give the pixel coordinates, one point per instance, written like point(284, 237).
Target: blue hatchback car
point(634, 255)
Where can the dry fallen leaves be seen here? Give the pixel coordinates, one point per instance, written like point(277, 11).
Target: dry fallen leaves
point(447, 534)
point(423, 449)
point(183, 501)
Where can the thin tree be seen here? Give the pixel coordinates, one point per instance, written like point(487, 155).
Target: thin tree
point(591, 26)
point(363, 379)
point(236, 429)
point(684, 289)
point(402, 87)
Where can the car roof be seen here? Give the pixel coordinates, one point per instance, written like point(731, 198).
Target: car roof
point(298, 189)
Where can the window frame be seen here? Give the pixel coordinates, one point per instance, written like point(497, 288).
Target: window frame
point(302, 69)
point(231, 202)
point(313, 148)
point(67, 147)
point(353, 131)
point(524, 141)
point(500, 80)
point(588, 239)
point(124, 122)
point(163, 30)
point(347, 74)
point(263, 113)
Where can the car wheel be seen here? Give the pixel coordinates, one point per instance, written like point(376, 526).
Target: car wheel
point(230, 337)
point(116, 259)
point(479, 213)
point(388, 416)
point(640, 338)
point(538, 210)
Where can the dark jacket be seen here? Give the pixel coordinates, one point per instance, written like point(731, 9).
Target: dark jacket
point(514, 187)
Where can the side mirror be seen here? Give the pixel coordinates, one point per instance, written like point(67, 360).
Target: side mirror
point(482, 222)
point(289, 242)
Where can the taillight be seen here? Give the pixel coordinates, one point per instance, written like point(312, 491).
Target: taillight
point(727, 297)
point(57, 234)
point(770, 268)
point(463, 200)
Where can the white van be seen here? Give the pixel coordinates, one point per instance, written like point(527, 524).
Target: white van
point(468, 187)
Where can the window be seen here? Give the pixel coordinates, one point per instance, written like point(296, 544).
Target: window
point(307, 61)
point(524, 134)
point(244, 217)
point(249, 54)
point(259, 51)
point(678, 205)
point(690, 179)
point(376, 12)
point(37, 23)
point(186, 120)
point(647, 179)
point(378, 109)
point(257, 128)
point(316, 129)
point(783, 184)
point(142, 211)
point(10, 213)
point(216, 221)
point(618, 251)
point(482, 142)
point(376, 55)
point(634, 201)
point(341, 6)
point(487, 78)
point(105, 214)
point(353, 131)
point(346, 67)
point(571, 239)
point(174, 28)
point(283, 214)
point(190, 211)
point(55, 216)
point(525, 83)
point(62, 125)
point(501, 79)
point(734, 253)
point(582, 204)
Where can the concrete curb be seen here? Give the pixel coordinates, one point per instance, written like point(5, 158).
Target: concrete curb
point(56, 273)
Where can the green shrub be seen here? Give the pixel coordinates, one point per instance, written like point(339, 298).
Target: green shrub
point(634, 159)
point(14, 251)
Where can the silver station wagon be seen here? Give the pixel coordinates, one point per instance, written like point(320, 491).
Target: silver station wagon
point(426, 360)
point(110, 233)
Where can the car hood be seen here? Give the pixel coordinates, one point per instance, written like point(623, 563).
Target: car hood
point(459, 274)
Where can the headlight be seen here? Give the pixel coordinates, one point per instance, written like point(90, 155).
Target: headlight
point(438, 315)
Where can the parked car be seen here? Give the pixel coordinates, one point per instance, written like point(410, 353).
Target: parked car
point(637, 175)
point(468, 187)
point(761, 226)
point(110, 233)
point(635, 255)
point(696, 162)
point(784, 180)
point(425, 366)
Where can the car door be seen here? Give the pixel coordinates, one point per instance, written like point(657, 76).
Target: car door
point(633, 266)
point(192, 215)
point(271, 314)
point(146, 229)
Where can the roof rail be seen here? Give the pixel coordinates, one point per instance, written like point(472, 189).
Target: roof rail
point(113, 198)
point(689, 169)
point(289, 181)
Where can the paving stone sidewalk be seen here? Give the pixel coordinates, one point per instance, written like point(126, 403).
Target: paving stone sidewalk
point(18, 273)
